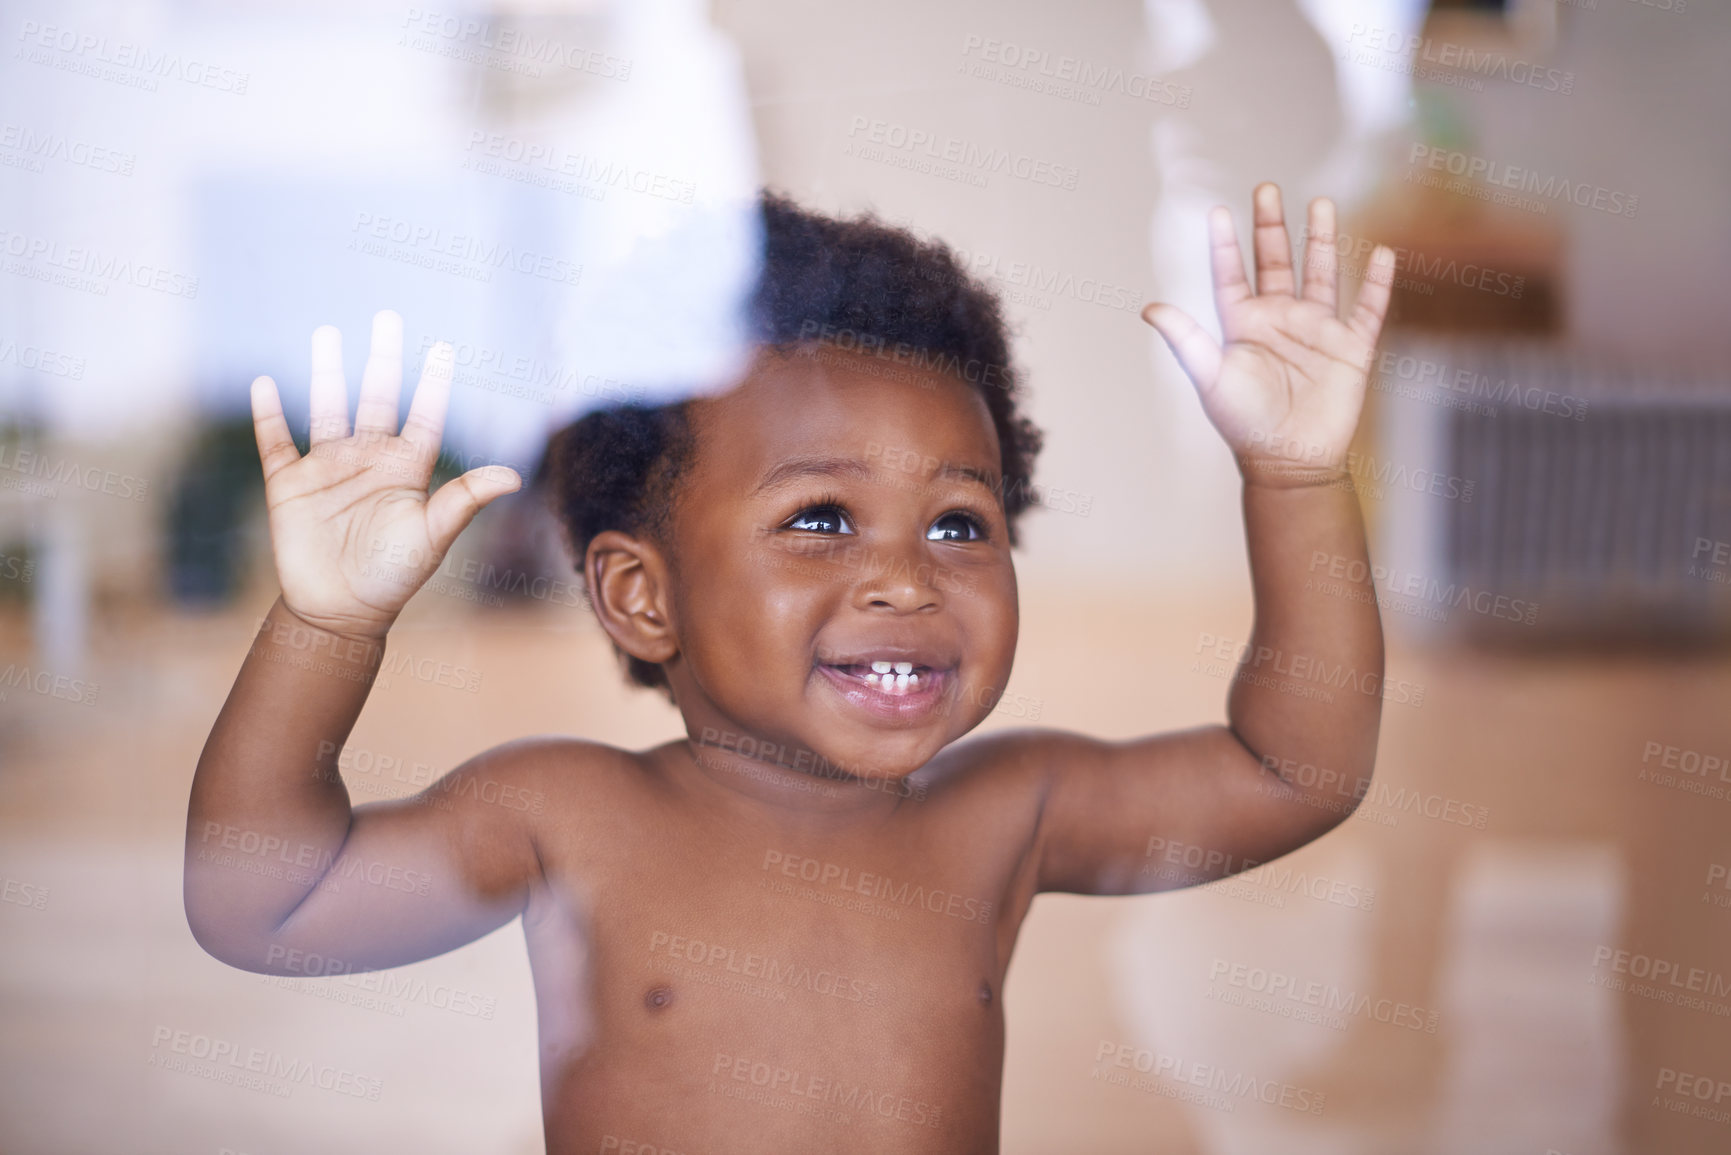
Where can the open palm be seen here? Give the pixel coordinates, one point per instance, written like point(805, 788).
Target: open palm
point(353, 529)
point(1286, 389)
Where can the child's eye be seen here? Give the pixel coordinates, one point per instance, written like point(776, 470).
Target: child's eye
point(822, 519)
point(956, 526)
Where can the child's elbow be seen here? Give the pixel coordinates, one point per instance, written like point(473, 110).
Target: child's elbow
point(1316, 803)
point(219, 937)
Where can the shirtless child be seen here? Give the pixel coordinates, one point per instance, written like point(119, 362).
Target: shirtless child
point(829, 621)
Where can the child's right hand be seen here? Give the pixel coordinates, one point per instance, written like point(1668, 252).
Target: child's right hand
point(353, 529)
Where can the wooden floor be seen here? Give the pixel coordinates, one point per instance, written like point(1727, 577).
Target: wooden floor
point(1468, 1001)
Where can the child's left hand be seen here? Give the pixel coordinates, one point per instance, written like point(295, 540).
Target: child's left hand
point(1286, 390)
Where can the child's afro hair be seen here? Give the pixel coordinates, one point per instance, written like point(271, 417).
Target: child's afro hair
point(618, 467)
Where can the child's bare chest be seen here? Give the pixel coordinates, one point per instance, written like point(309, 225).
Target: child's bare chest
point(835, 997)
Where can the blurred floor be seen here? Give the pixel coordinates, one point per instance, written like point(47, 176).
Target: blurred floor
point(1465, 1003)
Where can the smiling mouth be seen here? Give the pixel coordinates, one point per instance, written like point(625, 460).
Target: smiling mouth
point(897, 692)
point(893, 678)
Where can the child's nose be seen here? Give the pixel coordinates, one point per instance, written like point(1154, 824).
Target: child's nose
point(902, 582)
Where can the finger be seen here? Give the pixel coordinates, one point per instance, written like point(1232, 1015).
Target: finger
point(382, 380)
point(330, 393)
point(454, 504)
point(1321, 273)
point(1230, 287)
point(1273, 249)
point(1197, 351)
point(425, 426)
point(276, 446)
point(1373, 295)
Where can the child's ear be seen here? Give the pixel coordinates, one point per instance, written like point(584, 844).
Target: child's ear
point(628, 584)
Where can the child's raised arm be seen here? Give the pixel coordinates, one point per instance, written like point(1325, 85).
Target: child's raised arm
point(281, 875)
point(1285, 393)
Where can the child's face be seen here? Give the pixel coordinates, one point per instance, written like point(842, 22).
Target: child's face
point(840, 512)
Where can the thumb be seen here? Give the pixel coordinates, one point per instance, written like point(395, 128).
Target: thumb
point(454, 504)
point(1197, 351)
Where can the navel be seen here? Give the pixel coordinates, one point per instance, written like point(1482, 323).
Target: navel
point(658, 998)
point(985, 993)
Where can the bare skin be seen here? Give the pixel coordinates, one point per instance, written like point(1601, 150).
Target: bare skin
point(789, 932)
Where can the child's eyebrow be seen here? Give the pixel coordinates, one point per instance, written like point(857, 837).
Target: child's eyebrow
point(984, 477)
point(798, 467)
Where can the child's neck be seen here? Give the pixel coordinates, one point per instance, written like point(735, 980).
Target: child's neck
point(761, 785)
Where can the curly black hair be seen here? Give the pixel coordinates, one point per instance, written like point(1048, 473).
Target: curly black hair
point(858, 284)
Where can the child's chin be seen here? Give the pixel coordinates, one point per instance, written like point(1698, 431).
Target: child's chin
point(877, 757)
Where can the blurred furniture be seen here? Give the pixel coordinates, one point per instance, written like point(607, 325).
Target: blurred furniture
point(1598, 493)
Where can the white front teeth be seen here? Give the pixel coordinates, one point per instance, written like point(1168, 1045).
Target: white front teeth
point(900, 681)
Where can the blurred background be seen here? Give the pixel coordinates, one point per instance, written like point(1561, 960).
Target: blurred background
point(1522, 941)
